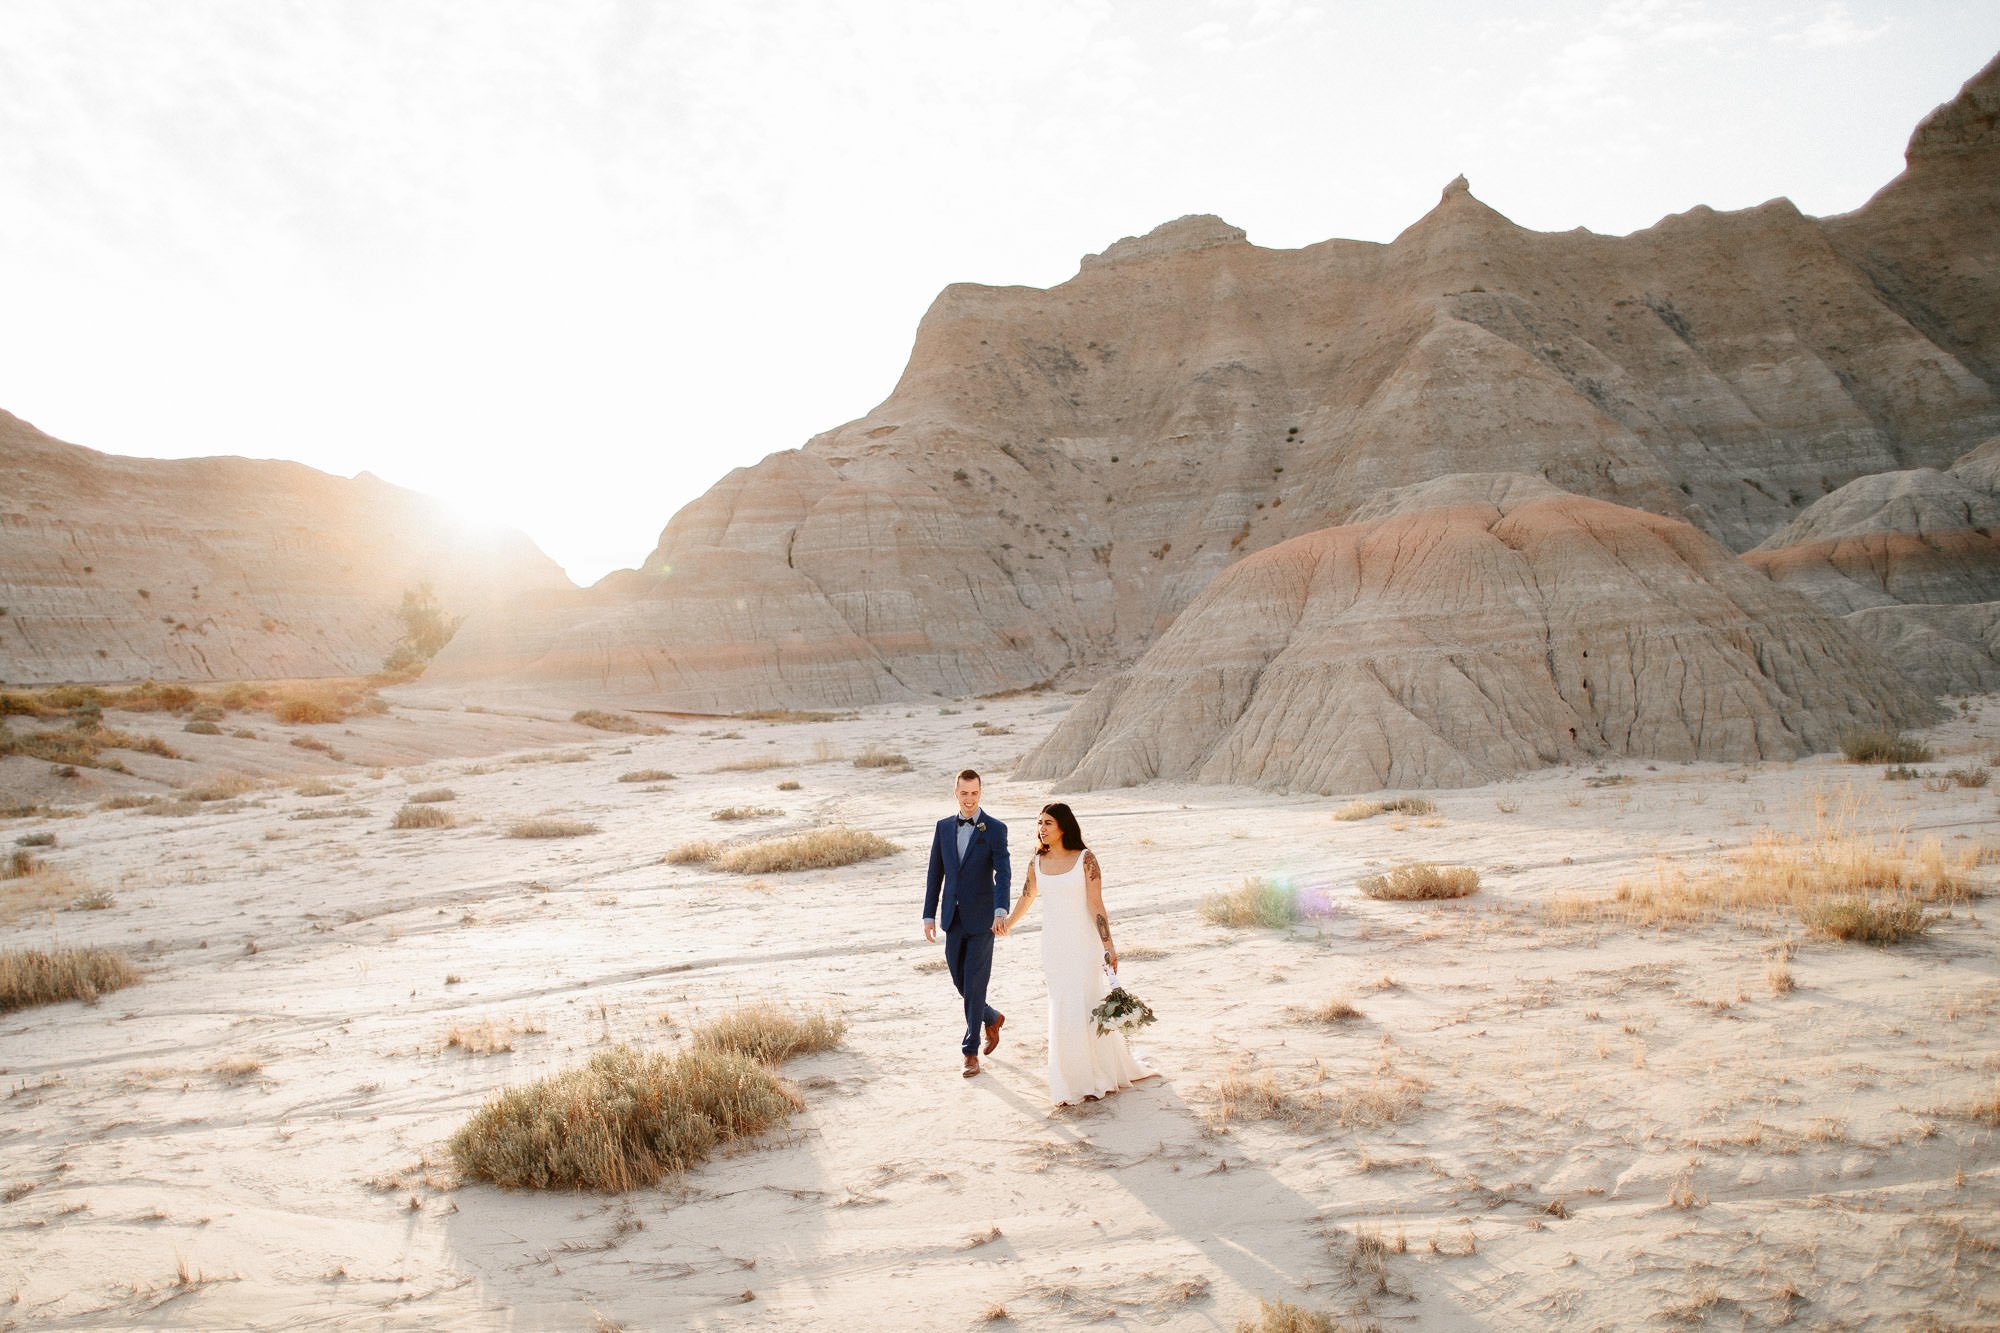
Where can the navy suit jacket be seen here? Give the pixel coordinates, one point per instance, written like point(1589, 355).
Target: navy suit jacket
point(972, 889)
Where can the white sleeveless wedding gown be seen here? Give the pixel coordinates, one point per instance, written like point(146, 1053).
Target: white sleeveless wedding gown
point(1081, 1062)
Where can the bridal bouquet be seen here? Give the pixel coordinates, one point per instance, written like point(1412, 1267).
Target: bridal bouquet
point(1121, 1010)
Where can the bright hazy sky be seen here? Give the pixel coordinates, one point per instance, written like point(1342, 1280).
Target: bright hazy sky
point(565, 262)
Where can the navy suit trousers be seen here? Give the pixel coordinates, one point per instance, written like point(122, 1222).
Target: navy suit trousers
point(969, 955)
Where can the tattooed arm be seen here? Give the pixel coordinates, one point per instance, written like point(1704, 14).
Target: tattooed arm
point(1093, 893)
point(1028, 890)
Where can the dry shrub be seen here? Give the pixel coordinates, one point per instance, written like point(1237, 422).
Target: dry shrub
point(1867, 921)
point(821, 849)
point(770, 1034)
point(37, 888)
point(487, 1037)
point(1387, 1098)
point(875, 758)
point(693, 854)
point(758, 765)
point(1969, 777)
point(646, 775)
point(422, 816)
point(602, 721)
point(432, 794)
point(550, 828)
point(1882, 747)
point(730, 814)
point(308, 710)
point(1255, 902)
point(226, 788)
point(82, 746)
point(1331, 1011)
point(35, 840)
point(1284, 1317)
point(627, 1118)
point(202, 727)
point(127, 802)
point(1420, 882)
point(317, 787)
point(1782, 872)
point(1408, 805)
point(789, 784)
point(792, 715)
point(36, 976)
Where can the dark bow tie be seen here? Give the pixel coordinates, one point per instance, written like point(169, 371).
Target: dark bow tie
point(963, 821)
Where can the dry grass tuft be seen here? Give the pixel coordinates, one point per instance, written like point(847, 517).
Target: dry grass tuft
point(1867, 921)
point(627, 1118)
point(730, 814)
point(550, 828)
point(317, 787)
point(646, 775)
point(874, 758)
point(1386, 1099)
point(1969, 777)
point(772, 1035)
point(1408, 805)
point(792, 715)
point(760, 764)
point(487, 1037)
point(423, 816)
point(1284, 1317)
point(237, 1068)
point(42, 888)
point(699, 853)
point(33, 976)
point(600, 720)
point(1255, 902)
point(1420, 882)
point(431, 795)
point(822, 849)
point(1882, 747)
point(1330, 1012)
point(1801, 874)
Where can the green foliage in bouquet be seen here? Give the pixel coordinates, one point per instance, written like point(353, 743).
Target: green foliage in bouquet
point(1123, 1011)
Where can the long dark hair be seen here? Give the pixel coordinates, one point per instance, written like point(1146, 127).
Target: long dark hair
point(1067, 828)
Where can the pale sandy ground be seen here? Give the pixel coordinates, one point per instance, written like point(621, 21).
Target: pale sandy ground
point(1580, 1082)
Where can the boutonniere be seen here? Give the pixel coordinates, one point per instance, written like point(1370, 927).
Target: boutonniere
point(979, 828)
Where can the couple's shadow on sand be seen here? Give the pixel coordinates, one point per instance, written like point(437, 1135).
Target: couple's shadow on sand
point(1154, 1150)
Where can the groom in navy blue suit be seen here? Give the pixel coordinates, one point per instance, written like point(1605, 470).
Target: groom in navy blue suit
point(969, 865)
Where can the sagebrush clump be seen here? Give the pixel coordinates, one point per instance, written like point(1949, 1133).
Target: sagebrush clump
point(1257, 901)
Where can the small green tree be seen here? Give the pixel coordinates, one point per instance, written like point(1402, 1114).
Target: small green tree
point(427, 628)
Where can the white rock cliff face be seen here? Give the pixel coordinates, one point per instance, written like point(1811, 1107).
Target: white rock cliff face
point(1059, 473)
point(221, 568)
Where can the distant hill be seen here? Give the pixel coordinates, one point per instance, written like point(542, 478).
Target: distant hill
point(222, 568)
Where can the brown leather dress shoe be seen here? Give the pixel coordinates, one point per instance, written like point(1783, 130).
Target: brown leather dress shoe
point(971, 1069)
point(993, 1033)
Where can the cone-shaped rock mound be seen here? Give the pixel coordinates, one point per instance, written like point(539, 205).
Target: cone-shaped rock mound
point(1482, 626)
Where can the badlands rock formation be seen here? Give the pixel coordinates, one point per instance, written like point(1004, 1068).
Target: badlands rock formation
point(1479, 626)
point(220, 568)
point(1059, 473)
point(1912, 560)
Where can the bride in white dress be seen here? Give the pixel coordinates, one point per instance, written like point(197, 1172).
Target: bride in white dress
point(1076, 942)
